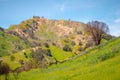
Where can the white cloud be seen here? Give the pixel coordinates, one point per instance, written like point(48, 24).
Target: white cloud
point(62, 7)
point(116, 33)
point(117, 20)
point(115, 30)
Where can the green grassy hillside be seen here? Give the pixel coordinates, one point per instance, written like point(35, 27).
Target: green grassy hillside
point(10, 44)
point(39, 43)
point(14, 59)
point(36, 31)
point(99, 63)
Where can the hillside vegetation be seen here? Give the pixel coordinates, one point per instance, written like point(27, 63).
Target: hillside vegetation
point(57, 50)
point(39, 42)
point(99, 63)
point(10, 44)
point(23, 56)
point(37, 31)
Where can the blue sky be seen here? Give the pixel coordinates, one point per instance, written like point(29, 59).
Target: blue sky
point(108, 11)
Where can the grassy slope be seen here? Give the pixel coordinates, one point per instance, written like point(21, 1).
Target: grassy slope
point(94, 65)
point(59, 54)
point(10, 43)
point(17, 57)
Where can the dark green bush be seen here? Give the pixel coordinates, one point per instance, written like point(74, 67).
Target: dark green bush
point(54, 44)
point(66, 40)
point(4, 70)
point(46, 45)
point(25, 55)
point(21, 62)
point(67, 48)
point(38, 54)
point(48, 52)
point(80, 49)
point(12, 58)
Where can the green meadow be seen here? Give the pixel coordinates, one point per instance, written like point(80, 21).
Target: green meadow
point(99, 63)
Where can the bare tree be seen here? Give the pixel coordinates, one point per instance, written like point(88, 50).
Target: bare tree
point(97, 30)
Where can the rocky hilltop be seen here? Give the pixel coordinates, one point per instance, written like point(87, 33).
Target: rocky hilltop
point(38, 31)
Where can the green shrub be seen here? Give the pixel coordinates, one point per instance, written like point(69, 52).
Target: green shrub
point(37, 54)
point(48, 52)
point(116, 49)
point(46, 45)
point(54, 44)
point(12, 58)
point(105, 56)
point(66, 40)
point(67, 48)
point(4, 70)
point(21, 62)
point(25, 55)
point(80, 49)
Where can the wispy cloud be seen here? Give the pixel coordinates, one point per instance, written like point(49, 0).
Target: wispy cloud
point(115, 32)
point(117, 20)
point(115, 29)
point(62, 7)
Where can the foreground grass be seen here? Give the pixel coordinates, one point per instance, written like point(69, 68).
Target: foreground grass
point(94, 65)
point(108, 70)
point(99, 63)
